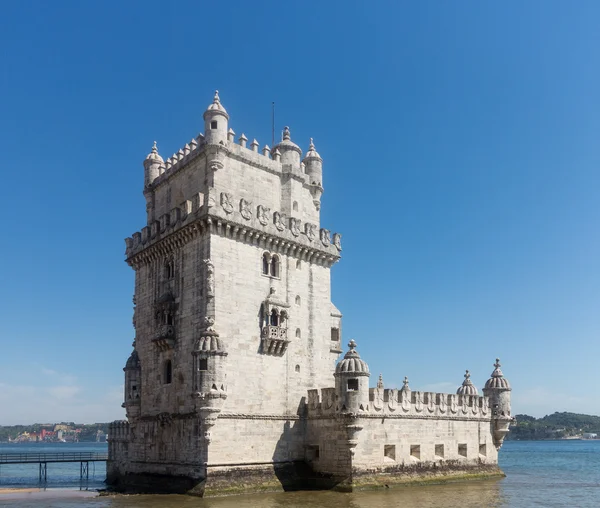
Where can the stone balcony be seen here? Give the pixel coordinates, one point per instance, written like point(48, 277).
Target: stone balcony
point(164, 337)
point(274, 340)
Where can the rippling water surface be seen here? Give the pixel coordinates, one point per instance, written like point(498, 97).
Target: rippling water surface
point(539, 473)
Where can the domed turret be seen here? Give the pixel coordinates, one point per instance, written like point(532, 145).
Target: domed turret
point(216, 122)
point(497, 380)
point(133, 378)
point(314, 165)
point(153, 165)
point(352, 381)
point(290, 151)
point(467, 388)
point(133, 362)
point(498, 389)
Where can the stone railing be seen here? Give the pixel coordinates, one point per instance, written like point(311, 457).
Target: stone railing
point(274, 340)
point(164, 337)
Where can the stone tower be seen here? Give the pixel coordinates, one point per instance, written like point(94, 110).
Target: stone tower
point(232, 384)
point(233, 316)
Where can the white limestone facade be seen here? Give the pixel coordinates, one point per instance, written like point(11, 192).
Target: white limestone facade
point(233, 379)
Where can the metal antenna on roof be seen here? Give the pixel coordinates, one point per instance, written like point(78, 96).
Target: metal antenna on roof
point(272, 124)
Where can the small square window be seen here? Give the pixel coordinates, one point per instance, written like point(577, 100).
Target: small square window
point(389, 452)
point(203, 364)
point(213, 124)
point(352, 385)
point(482, 450)
point(439, 451)
point(415, 451)
point(312, 452)
point(462, 450)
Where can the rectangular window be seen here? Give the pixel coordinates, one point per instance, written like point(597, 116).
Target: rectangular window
point(389, 452)
point(352, 385)
point(415, 451)
point(213, 124)
point(335, 334)
point(439, 451)
point(312, 452)
point(482, 450)
point(462, 450)
point(203, 364)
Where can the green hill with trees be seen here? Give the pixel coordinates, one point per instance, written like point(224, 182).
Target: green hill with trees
point(554, 426)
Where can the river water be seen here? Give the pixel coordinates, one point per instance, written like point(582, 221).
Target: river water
point(539, 473)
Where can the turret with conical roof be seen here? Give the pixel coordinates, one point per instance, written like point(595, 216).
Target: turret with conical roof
point(289, 151)
point(216, 122)
point(153, 165)
point(352, 382)
point(133, 383)
point(498, 389)
point(314, 165)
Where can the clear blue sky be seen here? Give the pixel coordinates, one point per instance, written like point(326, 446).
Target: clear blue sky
point(461, 164)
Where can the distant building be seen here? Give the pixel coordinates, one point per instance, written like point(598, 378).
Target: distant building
point(232, 384)
point(590, 435)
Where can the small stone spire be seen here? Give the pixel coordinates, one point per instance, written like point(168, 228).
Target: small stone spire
point(154, 148)
point(467, 387)
point(216, 99)
point(380, 381)
point(497, 371)
point(405, 383)
point(286, 133)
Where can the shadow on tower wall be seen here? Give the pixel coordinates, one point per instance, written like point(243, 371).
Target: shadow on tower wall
point(290, 465)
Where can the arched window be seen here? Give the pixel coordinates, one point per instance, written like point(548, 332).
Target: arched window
point(168, 372)
point(169, 269)
point(298, 264)
point(274, 318)
point(283, 319)
point(298, 333)
point(297, 368)
point(275, 266)
point(295, 206)
point(298, 301)
point(265, 265)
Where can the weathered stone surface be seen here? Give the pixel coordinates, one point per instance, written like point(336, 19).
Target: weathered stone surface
point(232, 384)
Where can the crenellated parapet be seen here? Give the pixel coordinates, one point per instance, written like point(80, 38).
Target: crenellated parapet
point(118, 431)
point(236, 218)
point(391, 402)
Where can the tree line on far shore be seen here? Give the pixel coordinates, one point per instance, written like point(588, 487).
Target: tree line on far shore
point(554, 426)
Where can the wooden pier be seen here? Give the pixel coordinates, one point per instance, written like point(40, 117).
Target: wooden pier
point(43, 459)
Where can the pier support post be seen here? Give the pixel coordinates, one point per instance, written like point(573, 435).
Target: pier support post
point(43, 472)
point(84, 470)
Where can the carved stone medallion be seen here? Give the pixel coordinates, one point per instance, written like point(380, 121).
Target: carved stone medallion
point(246, 209)
point(227, 202)
point(295, 226)
point(279, 220)
point(325, 239)
point(262, 212)
point(311, 231)
point(337, 241)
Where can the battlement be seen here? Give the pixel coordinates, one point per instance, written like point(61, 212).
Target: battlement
point(118, 431)
point(265, 158)
point(245, 221)
point(403, 403)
